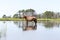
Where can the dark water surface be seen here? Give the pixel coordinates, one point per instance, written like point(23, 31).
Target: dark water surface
point(14, 30)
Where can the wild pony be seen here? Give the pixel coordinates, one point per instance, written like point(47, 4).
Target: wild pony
point(30, 18)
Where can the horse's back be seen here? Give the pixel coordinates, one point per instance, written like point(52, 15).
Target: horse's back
point(30, 17)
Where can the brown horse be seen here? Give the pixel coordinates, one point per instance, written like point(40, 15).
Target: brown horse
point(30, 18)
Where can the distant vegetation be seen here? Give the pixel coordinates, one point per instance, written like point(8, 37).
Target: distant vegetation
point(32, 12)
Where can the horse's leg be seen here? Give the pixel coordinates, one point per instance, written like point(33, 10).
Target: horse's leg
point(35, 20)
point(27, 23)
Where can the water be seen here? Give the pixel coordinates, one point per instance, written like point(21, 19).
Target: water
point(45, 30)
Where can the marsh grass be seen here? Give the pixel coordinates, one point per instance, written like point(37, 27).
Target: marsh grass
point(21, 19)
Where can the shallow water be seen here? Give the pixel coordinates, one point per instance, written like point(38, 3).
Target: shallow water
point(45, 30)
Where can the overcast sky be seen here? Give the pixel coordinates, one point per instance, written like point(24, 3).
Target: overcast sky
point(10, 7)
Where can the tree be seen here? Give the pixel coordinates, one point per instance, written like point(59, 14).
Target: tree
point(4, 16)
point(19, 13)
point(15, 16)
point(38, 15)
point(30, 12)
point(48, 14)
point(57, 15)
point(23, 12)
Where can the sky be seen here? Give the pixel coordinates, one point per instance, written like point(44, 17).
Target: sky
point(10, 7)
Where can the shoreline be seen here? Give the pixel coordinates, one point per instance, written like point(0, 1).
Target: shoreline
point(21, 19)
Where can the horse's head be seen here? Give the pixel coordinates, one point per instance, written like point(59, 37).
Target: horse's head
point(24, 16)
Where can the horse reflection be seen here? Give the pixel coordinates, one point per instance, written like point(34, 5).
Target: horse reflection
point(29, 28)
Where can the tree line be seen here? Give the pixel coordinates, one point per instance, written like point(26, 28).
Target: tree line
point(32, 12)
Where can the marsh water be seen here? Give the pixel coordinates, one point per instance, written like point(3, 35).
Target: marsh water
point(45, 30)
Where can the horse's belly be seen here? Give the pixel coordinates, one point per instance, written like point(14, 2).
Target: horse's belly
point(29, 18)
